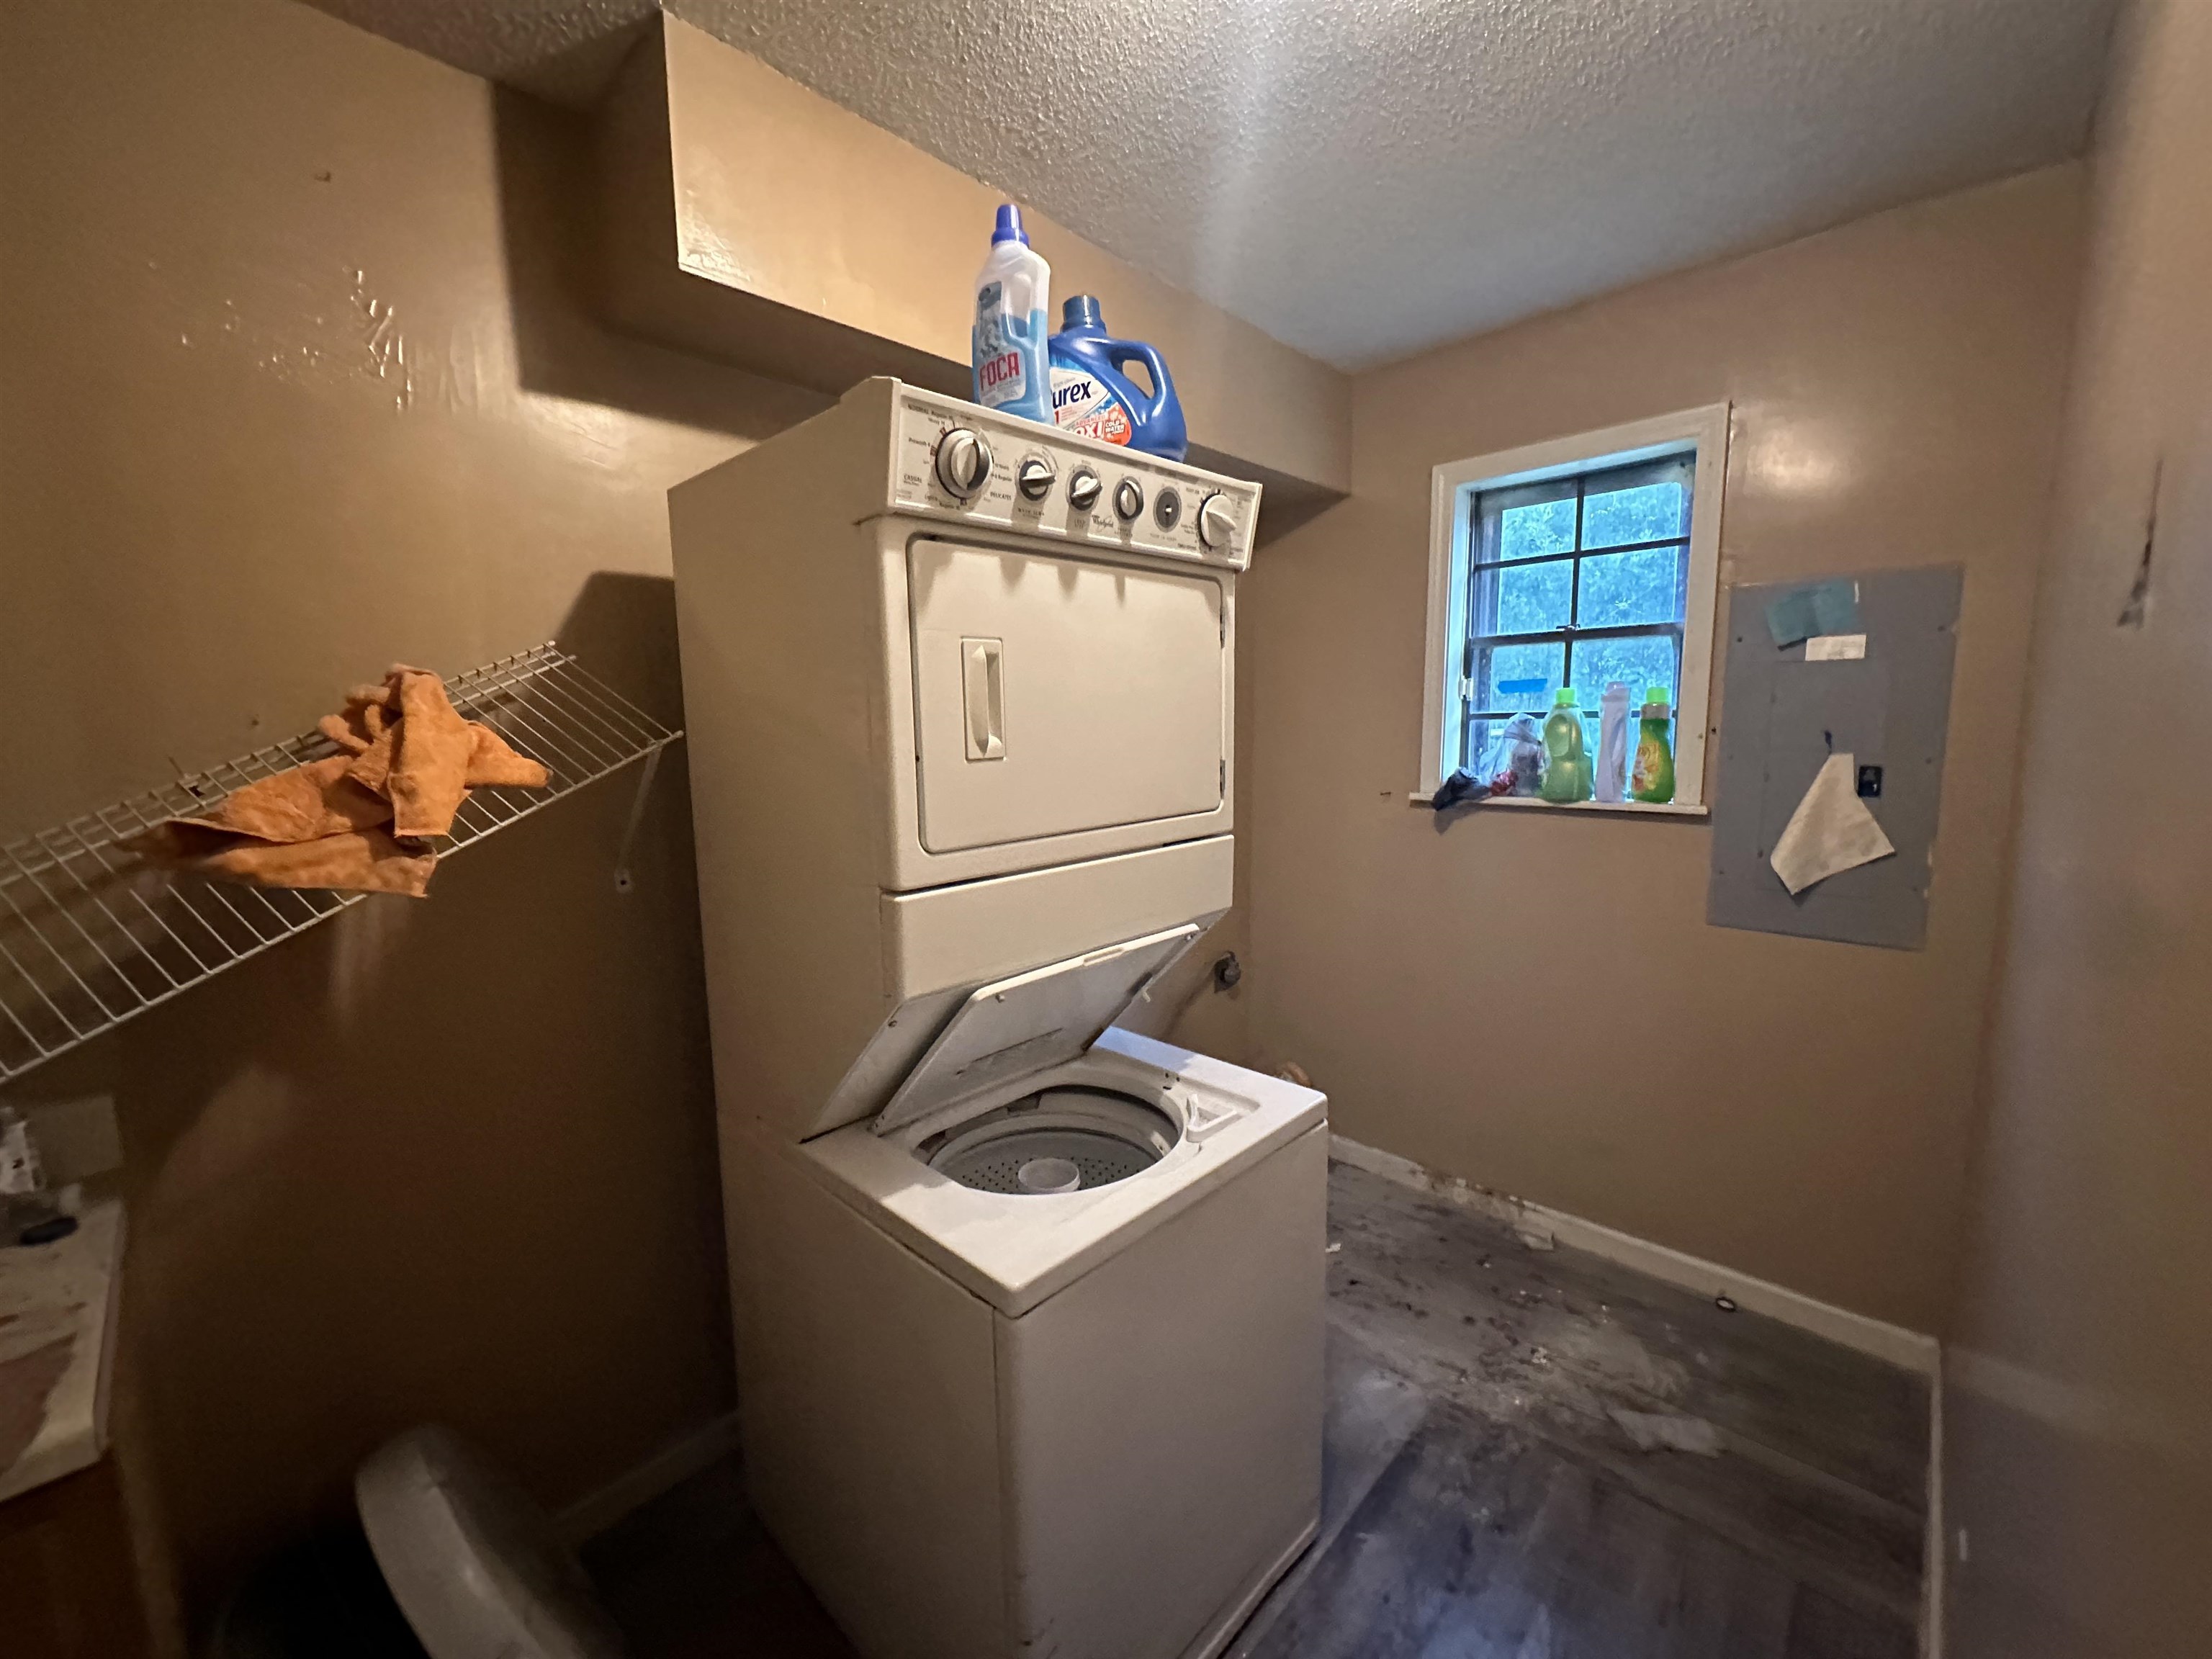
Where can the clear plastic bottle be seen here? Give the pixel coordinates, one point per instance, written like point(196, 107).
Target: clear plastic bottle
point(1566, 763)
point(1611, 782)
point(1013, 373)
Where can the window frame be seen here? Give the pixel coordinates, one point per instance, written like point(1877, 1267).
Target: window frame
point(1454, 486)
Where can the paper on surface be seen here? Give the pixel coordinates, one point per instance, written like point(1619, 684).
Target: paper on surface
point(1836, 648)
point(1830, 831)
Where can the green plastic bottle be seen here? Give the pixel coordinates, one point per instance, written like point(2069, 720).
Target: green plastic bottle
point(1566, 763)
point(1653, 777)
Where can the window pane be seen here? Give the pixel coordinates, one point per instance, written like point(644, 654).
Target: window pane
point(1526, 599)
point(1518, 677)
point(1525, 521)
point(1645, 504)
point(1526, 532)
point(1640, 661)
point(1480, 735)
point(1622, 589)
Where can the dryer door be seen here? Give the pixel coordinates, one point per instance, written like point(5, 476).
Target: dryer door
point(1054, 695)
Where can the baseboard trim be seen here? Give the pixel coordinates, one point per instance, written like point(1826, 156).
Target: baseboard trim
point(1911, 1350)
point(674, 1464)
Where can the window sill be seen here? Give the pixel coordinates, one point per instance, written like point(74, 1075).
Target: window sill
point(1626, 809)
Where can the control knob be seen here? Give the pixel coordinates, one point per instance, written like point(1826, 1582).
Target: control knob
point(1217, 521)
point(1128, 500)
point(963, 462)
point(1033, 477)
point(1083, 489)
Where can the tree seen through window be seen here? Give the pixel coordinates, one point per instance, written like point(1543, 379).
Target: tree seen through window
point(1579, 580)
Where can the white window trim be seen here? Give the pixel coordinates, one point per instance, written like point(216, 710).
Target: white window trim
point(1706, 431)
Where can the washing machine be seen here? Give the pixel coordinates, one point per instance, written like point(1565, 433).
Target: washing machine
point(1028, 1306)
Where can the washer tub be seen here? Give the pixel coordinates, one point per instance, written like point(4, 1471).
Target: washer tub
point(1057, 1141)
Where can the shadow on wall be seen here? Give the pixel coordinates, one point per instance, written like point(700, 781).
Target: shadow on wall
point(548, 226)
point(451, 1160)
point(623, 626)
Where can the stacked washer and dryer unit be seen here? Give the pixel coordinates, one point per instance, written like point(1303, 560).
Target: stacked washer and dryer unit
point(1029, 1308)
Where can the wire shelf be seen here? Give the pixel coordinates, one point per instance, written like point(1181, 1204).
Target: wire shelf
point(92, 934)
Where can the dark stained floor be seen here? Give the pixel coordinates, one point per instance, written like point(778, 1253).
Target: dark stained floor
point(1531, 1455)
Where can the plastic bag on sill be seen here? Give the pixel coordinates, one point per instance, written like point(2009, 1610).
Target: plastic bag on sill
point(1514, 762)
point(1512, 765)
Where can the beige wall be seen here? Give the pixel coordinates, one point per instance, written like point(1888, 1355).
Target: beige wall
point(2081, 1434)
point(453, 1159)
point(1795, 1110)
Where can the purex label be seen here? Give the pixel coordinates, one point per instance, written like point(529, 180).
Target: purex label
point(1082, 404)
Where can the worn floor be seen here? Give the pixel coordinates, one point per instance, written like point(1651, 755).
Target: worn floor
point(1531, 1455)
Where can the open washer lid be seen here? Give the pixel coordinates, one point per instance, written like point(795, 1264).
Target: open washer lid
point(1012, 1028)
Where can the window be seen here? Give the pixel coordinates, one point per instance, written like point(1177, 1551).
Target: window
point(1575, 563)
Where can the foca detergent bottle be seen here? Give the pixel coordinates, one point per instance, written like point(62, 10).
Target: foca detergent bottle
point(1093, 397)
point(1012, 293)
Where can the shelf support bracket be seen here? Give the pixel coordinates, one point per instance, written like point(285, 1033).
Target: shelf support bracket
point(622, 882)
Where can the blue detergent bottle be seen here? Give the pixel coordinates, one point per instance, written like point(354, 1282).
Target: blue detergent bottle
point(1093, 398)
point(1012, 293)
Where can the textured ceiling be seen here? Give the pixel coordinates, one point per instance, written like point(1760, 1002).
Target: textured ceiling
point(1365, 178)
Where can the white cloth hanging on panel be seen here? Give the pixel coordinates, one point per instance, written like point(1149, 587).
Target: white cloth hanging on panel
point(1829, 832)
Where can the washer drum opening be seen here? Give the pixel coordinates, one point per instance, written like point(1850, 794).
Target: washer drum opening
point(1028, 1145)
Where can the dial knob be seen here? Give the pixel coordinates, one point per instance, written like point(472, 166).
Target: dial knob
point(1217, 521)
point(1082, 489)
point(964, 461)
point(1033, 478)
point(1167, 508)
point(1128, 500)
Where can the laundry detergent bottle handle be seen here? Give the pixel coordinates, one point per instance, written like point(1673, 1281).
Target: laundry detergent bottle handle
point(1012, 368)
point(1093, 396)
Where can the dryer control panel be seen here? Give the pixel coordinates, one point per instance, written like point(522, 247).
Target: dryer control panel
point(960, 462)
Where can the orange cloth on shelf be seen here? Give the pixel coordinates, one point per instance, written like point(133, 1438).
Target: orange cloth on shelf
point(357, 861)
point(372, 768)
point(492, 762)
point(412, 760)
point(342, 731)
point(364, 722)
point(429, 773)
point(408, 761)
point(315, 799)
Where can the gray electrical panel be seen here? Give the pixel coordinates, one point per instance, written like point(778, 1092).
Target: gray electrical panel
point(1785, 709)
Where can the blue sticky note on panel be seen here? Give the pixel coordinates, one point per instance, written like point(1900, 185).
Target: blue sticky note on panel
point(1825, 608)
point(1836, 608)
point(1790, 618)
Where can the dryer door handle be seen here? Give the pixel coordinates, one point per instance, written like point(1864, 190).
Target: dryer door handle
point(983, 675)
